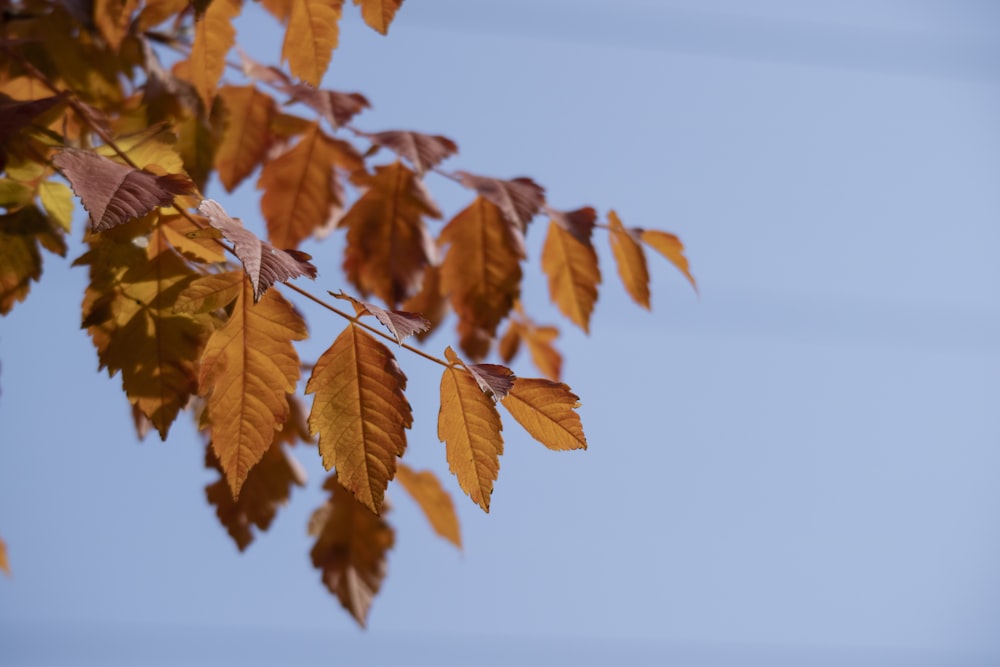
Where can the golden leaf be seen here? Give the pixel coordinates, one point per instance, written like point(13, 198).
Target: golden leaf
point(298, 193)
point(481, 272)
point(112, 18)
point(247, 134)
point(571, 266)
point(360, 413)
point(350, 549)
point(546, 410)
point(248, 368)
point(179, 233)
point(4, 564)
point(388, 245)
point(429, 301)
point(669, 246)
point(631, 260)
point(209, 293)
point(214, 35)
point(469, 425)
point(539, 340)
point(425, 488)
point(379, 13)
point(57, 200)
point(311, 37)
point(22, 233)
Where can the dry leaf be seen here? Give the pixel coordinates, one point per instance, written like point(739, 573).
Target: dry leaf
point(570, 262)
point(400, 323)
point(423, 151)
point(669, 246)
point(546, 410)
point(247, 134)
point(214, 35)
point(425, 488)
point(379, 13)
point(311, 37)
point(631, 260)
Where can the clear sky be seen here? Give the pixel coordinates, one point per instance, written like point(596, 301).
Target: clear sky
point(799, 468)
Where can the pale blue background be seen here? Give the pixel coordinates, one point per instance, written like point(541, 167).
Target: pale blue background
point(800, 468)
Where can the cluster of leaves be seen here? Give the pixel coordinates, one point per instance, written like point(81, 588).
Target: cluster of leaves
point(85, 97)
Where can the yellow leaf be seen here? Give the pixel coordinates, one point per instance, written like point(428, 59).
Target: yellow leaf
point(379, 13)
point(112, 18)
point(247, 134)
point(546, 410)
point(57, 200)
point(469, 425)
point(298, 192)
point(388, 245)
point(156, 145)
point(360, 413)
point(571, 266)
point(425, 488)
point(481, 271)
point(669, 246)
point(350, 549)
point(4, 564)
point(248, 368)
point(311, 37)
point(631, 261)
point(176, 232)
point(214, 35)
point(209, 293)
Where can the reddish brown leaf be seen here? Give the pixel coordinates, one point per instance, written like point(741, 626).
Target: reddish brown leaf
point(350, 549)
point(570, 262)
point(401, 324)
point(425, 488)
point(268, 74)
point(16, 115)
point(481, 272)
point(335, 107)
point(423, 151)
point(519, 199)
point(495, 380)
point(264, 264)
point(248, 368)
point(379, 13)
point(388, 245)
point(429, 301)
point(631, 260)
point(469, 425)
point(247, 133)
point(546, 410)
point(115, 193)
point(267, 488)
point(669, 246)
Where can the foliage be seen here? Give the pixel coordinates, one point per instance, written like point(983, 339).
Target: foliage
point(181, 300)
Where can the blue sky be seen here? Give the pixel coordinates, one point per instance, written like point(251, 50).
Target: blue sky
point(799, 466)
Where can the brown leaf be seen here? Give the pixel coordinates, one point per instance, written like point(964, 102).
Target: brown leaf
point(248, 368)
point(388, 245)
point(350, 549)
point(495, 380)
point(669, 246)
point(379, 13)
point(631, 260)
point(115, 193)
point(113, 18)
point(360, 413)
point(335, 107)
point(519, 199)
point(429, 301)
point(400, 323)
point(209, 293)
point(311, 37)
point(214, 35)
point(22, 236)
point(546, 410)
point(571, 265)
point(263, 263)
point(539, 340)
point(4, 563)
point(300, 191)
point(247, 133)
point(16, 115)
point(425, 488)
point(267, 488)
point(481, 272)
point(423, 151)
point(469, 425)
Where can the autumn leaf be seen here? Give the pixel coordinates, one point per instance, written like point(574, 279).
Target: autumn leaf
point(425, 488)
point(214, 35)
point(263, 263)
point(631, 260)
point(247, 133)
point(115, 193)
point(335, 107)
point(4, 563)
point(493, 379)
point(311, 37)
point(247, 369)
point(360, 413)
point(113, 18)
point(209, 293)
point(423, 151)
point(388, 245)
point(400, 323)
point(429, 301)
point(16, 116)
point(299, 196)
point(469, 425)
point(379, 13)
point(481, 272)
point(669, 246)
point(178, 232)
point(539, 341)
point(570, 262)
point(267, 488)
point(546, 410)
point(518, 199)
point(23, 234)
point(350, 549)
